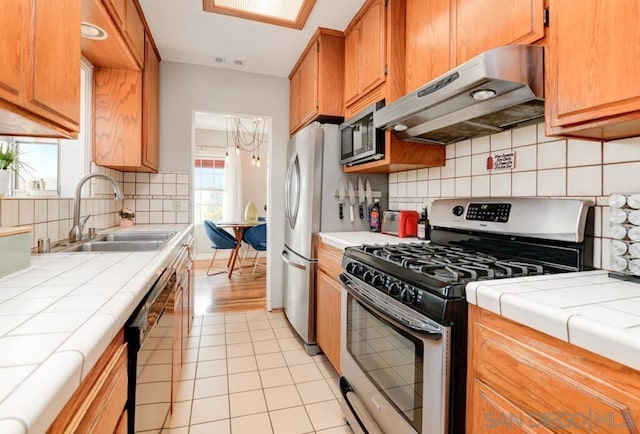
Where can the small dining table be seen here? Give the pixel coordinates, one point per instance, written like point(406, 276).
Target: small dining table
point(238, 231)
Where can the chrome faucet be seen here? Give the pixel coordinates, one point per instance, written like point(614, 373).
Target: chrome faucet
point(75, 234)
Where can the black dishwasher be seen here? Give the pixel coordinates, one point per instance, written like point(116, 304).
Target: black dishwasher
point(149, 334)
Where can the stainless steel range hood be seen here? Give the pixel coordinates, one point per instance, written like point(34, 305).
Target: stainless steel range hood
point(499, 89)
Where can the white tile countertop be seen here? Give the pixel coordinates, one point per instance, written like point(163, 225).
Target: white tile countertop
point(57, 318)
point(341, 240)
point(588, 309)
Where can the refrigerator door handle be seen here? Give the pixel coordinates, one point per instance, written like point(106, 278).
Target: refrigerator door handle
point(285, 258)
point(294, 169)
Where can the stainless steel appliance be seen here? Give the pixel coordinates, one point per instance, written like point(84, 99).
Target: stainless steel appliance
point(152, 348)
point(404, 315)
point(149, 334)
point(499, 89)
point(311, 205)
point(361, 141)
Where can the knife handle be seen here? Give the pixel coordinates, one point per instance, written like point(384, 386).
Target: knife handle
point(341, 212)
point(361, 212)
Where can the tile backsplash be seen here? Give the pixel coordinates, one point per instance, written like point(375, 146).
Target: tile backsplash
point(544, 167)
point(156, 198)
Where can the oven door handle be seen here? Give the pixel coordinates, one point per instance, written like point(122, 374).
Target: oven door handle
point(424, 329)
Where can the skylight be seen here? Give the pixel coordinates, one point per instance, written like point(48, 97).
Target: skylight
point(286, 13)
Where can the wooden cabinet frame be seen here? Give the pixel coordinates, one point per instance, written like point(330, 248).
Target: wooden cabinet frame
point(523, 381)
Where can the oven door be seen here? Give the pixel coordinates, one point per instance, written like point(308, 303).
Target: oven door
point(395, 364)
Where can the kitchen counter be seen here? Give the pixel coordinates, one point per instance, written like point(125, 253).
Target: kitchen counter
point(57, 318)
point(588, 309)
point(341, 240)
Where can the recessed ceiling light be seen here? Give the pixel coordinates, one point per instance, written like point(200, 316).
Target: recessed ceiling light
point(286, 13)
point(91, 31)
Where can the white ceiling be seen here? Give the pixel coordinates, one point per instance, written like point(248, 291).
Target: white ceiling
point(185, 33)
point(218, 122)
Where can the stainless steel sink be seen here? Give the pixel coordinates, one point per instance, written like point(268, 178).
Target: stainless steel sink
point(115, 246)
point(123, 242)
point(136, 236)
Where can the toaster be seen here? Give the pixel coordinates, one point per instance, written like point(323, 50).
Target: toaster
point(400, 223)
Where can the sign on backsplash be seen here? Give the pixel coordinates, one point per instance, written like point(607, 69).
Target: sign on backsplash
point(504, 160)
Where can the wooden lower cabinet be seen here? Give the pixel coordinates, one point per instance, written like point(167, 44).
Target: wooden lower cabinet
point(328, 294)
point(98, 406)
point(523, 381)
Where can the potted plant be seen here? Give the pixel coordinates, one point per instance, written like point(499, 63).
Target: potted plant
point(126, 217)
point(9, 163)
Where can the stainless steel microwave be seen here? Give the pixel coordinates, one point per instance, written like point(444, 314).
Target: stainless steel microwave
point(361, 141)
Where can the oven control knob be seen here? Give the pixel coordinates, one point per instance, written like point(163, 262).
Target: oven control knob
point(377, 280)
point(407, 296)
point(395, 289)
point(354, 268)
point(458, 210)
point(368, 276)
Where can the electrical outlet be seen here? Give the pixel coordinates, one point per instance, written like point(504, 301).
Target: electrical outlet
point(176, 205)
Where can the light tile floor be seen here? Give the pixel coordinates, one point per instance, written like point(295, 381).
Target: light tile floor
point(247, 372)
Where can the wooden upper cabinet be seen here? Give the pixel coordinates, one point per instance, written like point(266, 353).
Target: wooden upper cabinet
point(316, 82)
point(482, 25)
point(592, 90)
point(117, 10)
point(123, 22)
point(308, 101)
point(428, 41)
point(40, 71)
point(126, 116)
point(134, 32)
point(374, 55)
point(151, 108)
point(351, 66)
point(366, 60)
point(14, 19)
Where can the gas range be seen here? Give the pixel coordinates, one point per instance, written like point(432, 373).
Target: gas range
point(427, 276)
point(404, 310)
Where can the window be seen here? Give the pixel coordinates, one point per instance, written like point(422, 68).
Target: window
point(208, 188)
point(39, 174)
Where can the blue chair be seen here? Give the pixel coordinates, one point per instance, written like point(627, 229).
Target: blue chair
point(256, 237)
point(220, 240)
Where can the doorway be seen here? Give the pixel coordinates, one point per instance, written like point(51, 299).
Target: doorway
point(230, 169)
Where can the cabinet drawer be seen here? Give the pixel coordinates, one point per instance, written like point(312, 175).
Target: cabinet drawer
point(329, 259)
point(99, 404)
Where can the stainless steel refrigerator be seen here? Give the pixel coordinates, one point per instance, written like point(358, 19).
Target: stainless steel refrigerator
point(311, 206)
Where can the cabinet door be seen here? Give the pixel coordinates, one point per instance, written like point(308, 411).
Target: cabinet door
point(117, 118)
point(14, 21)
point(117, 10)
point(352, 65)
point(490, 412)
point(294, 101)
point(482, 25)
point(53, 67)
point(588, 77)
point(308, 103)
point(428, 49)
point(134, 32)
point(150, 108)
point(372, 48)
point(328, 317)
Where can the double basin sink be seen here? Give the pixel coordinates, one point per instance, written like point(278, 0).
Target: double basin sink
point(123, 242)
